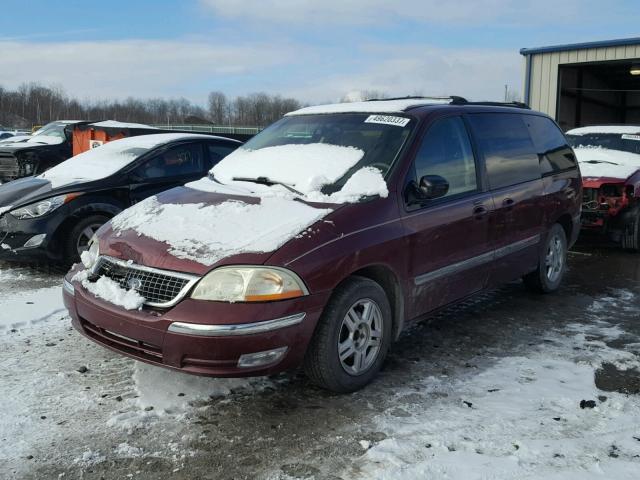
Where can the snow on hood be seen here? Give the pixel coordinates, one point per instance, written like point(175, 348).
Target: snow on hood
point(603, 162)
point(382, 106)
point(45, 139)
point(306, 168)
point(208, 233)
point(613, 129)
point(107, 159)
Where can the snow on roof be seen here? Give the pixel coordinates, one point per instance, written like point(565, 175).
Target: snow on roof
point(603, 162)
point(107, 159)
point(116, 124)
point(615, 129)
point(375, 106)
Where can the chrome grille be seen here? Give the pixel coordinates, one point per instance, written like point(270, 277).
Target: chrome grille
point(160, 288)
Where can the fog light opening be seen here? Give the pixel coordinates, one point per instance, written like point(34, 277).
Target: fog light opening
point(258, 359)
point(35, 241)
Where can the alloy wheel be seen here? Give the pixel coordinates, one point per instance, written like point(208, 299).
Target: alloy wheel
point(554, 261)
point(360, 337)
point(82, 244)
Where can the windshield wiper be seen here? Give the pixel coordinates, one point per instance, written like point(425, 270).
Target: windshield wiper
point(268, 182)
point(599, 161)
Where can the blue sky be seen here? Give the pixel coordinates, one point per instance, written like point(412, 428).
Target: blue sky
point(313, 50)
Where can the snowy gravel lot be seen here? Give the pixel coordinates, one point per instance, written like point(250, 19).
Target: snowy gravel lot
point(508, 385)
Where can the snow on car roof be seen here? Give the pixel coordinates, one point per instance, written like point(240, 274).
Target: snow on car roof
point(375, 106)
point(603, 162)
point(107, 159)
point(116, 124)
point(614, 129)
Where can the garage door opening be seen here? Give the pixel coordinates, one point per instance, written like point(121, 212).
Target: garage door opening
point(598, 93)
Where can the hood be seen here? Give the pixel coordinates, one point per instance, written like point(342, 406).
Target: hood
point(22, 191)
point(194, 231)
point(602, 165)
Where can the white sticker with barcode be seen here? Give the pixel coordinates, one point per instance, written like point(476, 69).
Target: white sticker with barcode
point(628, 136)
point(388, 120)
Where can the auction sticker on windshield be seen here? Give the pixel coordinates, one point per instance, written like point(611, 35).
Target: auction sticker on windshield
point(630, 137)
point(388, 120)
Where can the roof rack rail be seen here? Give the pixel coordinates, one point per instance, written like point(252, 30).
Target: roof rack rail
point(417, 97)
point(462, 101)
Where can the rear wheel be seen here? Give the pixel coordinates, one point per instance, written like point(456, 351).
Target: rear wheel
point(352, 338)
point(77, 240)
point(552, 262)
point(631, 233)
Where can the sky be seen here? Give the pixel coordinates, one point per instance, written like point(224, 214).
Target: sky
point(315, 51)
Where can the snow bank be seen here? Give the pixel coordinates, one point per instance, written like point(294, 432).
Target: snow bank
point(305, 167)
point(208, 233)
point(106, 289)
point(614, 129)
point(611, 163)
point(383, 106)
point(107, 159)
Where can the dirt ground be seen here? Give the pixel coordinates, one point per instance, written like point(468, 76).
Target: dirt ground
point(117, 420)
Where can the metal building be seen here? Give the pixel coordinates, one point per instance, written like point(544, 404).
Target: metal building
point(585, 83)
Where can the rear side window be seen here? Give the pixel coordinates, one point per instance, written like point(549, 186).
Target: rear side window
point(446, 151)
point(551, 144)
point(508, 150)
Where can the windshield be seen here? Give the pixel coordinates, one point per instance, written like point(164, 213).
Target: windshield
point(612, 141)
point(318, 152)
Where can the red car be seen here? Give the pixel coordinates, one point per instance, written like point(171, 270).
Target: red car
point(609, 158)
point(321, 239)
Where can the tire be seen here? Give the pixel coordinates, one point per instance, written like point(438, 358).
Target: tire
point(79, 235)
point(343, 321)
point(630, 240)
point(552, 263)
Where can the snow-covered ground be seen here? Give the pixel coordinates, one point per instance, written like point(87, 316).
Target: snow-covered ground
point(509, 385)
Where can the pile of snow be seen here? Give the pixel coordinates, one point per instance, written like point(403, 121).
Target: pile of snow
point(107, 159)
point(110, 291)
point(381, 106)
point(611, 129)
point(604, 162)
point(208, 233)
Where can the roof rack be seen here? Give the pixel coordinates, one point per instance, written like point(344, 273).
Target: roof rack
point(463, 101)
point(456, 100)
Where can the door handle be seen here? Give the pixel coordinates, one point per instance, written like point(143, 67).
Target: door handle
point(480, 211)
point(508, 203)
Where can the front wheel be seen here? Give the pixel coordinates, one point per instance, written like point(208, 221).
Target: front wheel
point(552, 263)
point(631, 233)
point(77, 240)
point(352, 338)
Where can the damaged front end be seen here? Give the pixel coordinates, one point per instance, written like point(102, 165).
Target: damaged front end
point(607, 205)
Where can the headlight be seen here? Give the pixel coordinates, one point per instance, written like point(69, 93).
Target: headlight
point(249, 284)
point(42, 207)
point(90, 256)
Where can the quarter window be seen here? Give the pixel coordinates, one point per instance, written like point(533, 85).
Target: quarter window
point(446, 151)
point(508, 150)
point(555, 153)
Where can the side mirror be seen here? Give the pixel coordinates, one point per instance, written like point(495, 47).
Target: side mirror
point(432, 186)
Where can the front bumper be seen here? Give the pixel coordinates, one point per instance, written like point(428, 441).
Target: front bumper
point(27, 240)
point(146, 336)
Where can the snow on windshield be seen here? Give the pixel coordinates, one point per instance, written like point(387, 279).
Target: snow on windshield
point(602, 162)
point(105, 160)
point(305, 167)
point(209, 233)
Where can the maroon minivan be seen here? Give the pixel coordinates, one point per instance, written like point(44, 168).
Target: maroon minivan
point(323, 237)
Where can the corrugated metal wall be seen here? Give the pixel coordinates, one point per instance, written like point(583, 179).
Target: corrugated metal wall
point(543, 89)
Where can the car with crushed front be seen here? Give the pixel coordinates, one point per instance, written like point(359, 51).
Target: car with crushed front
point(53, 216)
point(326, 235)
point(609, 159)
